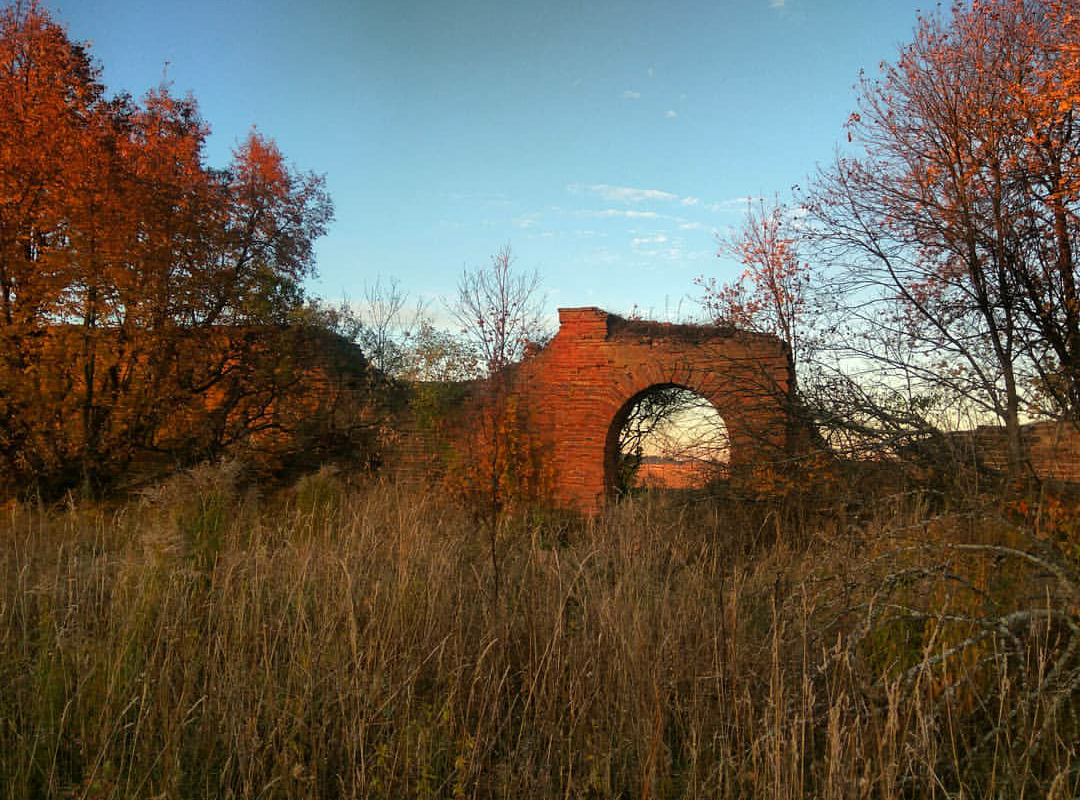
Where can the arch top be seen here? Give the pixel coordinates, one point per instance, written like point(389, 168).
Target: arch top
point(589, 321)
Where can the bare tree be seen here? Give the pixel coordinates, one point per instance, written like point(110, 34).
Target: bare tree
point(389, 322)
point(954, 231)
point(500, 309)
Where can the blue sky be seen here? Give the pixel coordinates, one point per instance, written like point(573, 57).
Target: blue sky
point(609, 143)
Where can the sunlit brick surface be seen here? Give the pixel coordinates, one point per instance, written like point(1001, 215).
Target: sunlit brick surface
point(582, 385)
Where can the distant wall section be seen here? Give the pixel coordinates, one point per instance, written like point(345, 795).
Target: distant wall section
point(1051, 448)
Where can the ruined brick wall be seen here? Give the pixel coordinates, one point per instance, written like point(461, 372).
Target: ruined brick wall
point(582, 385)
point(1052, 449)
point(427, 419)
point(578, 390)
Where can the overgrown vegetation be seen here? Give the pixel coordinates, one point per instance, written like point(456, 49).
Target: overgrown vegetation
point(343, 641)
point(815, 627)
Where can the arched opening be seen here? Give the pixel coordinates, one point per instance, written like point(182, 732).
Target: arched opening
point(665, 437)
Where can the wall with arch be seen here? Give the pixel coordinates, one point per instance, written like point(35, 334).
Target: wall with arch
point(579, 388)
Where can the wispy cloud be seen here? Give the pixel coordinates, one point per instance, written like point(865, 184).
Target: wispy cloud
point(729, 205)
point(601, 256)
point(609, 213)
point(528, 220)
point(690, 226)
point(495, 199)
point(690, 201)
point(630, 94)
point(622, 194)
point(660, 247)
point(776, 3)
point(671, 113)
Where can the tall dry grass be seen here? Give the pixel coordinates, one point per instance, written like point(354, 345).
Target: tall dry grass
point(203, 641)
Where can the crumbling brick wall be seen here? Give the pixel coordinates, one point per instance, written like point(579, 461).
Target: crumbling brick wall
point(580, 387)
point(583, 384)
point(1052, 449)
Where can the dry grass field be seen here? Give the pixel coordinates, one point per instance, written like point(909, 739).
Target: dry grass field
point(204, 641)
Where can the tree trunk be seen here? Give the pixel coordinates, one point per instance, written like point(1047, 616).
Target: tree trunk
point(1015, 452)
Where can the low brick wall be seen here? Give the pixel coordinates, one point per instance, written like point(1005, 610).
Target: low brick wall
point(674, 474)
point(1052, 448)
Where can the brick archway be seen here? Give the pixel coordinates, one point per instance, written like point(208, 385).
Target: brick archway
point(611, 446)
point(578, 386)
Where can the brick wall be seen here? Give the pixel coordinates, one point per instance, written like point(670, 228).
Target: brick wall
point(1052, 448)
point(579, 389)
point(663, 474)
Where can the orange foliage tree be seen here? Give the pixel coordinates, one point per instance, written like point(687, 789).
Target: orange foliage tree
point(955, 229)
point(772, 295)
point(775, 294)
point(117, 246)
point(500, 461)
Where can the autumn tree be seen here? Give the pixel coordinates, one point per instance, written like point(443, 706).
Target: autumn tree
point(131, 274)
point(953, 232)
point(772, 294)
point(50, 88)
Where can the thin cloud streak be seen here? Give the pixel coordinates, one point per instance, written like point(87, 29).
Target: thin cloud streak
point(728, 205)
point(623, 194)
point(640, 240)
point(609, 213)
